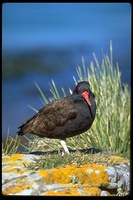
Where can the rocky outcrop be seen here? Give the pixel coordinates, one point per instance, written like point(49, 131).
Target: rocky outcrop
point(69, 180)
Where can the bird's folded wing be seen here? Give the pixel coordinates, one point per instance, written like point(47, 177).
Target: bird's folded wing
point(53, 115)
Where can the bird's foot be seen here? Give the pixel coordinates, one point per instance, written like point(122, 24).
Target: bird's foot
point(63, 143)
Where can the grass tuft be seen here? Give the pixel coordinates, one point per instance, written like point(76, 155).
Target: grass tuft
point(10, 145)
point(50, 161)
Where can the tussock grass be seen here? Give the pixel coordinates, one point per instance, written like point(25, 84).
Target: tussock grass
point(111, 128)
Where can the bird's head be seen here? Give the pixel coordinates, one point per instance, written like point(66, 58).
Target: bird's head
point(83, 89)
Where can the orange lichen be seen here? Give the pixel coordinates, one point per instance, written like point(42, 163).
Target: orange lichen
point(70, 173)
point(12, 190)
point(48, 178)
point(119, 159)
point(94, 191)
point(66, 192)
point(63, 174)
point(20, 186)
point(13, 158)
point(75, 192)
point(13, 170)
point(81, 180)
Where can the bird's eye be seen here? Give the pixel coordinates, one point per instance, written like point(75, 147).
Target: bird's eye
point(78, 87)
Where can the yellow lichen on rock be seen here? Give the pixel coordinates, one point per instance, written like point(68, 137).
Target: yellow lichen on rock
point(77, 175)
point(13, 158)
point(119, 159)
point(48, 178)
point(14, 164)
point(65, 192)
point(19, 186)
point(12, 190)
point(63, 175)
point(94, 191)
point(14, 170)
point(68, 180)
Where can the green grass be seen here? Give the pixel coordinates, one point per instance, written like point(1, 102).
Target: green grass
point(111, 128)
point(77, 158)
point(10, 146)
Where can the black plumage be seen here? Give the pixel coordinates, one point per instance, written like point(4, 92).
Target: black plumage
point(65, 117)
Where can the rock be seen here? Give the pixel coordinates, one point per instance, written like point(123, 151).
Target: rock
point(69, 180)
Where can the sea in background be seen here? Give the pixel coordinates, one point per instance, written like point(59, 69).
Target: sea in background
point(44, 41)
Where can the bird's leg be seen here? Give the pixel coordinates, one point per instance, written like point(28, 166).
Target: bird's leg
point(63, 143)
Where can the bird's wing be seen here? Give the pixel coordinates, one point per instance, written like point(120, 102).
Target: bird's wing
point(49, 117)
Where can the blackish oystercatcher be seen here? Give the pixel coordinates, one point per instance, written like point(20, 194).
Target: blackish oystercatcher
point(65, 117)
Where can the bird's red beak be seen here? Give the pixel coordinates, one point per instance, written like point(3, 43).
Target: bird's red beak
point(85, 95)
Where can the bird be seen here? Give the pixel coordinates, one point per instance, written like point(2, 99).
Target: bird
point(65, 117)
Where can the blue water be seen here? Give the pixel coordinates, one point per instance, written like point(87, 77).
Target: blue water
point(79, 28)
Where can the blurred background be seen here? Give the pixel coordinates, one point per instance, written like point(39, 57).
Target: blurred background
point(44, 41)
